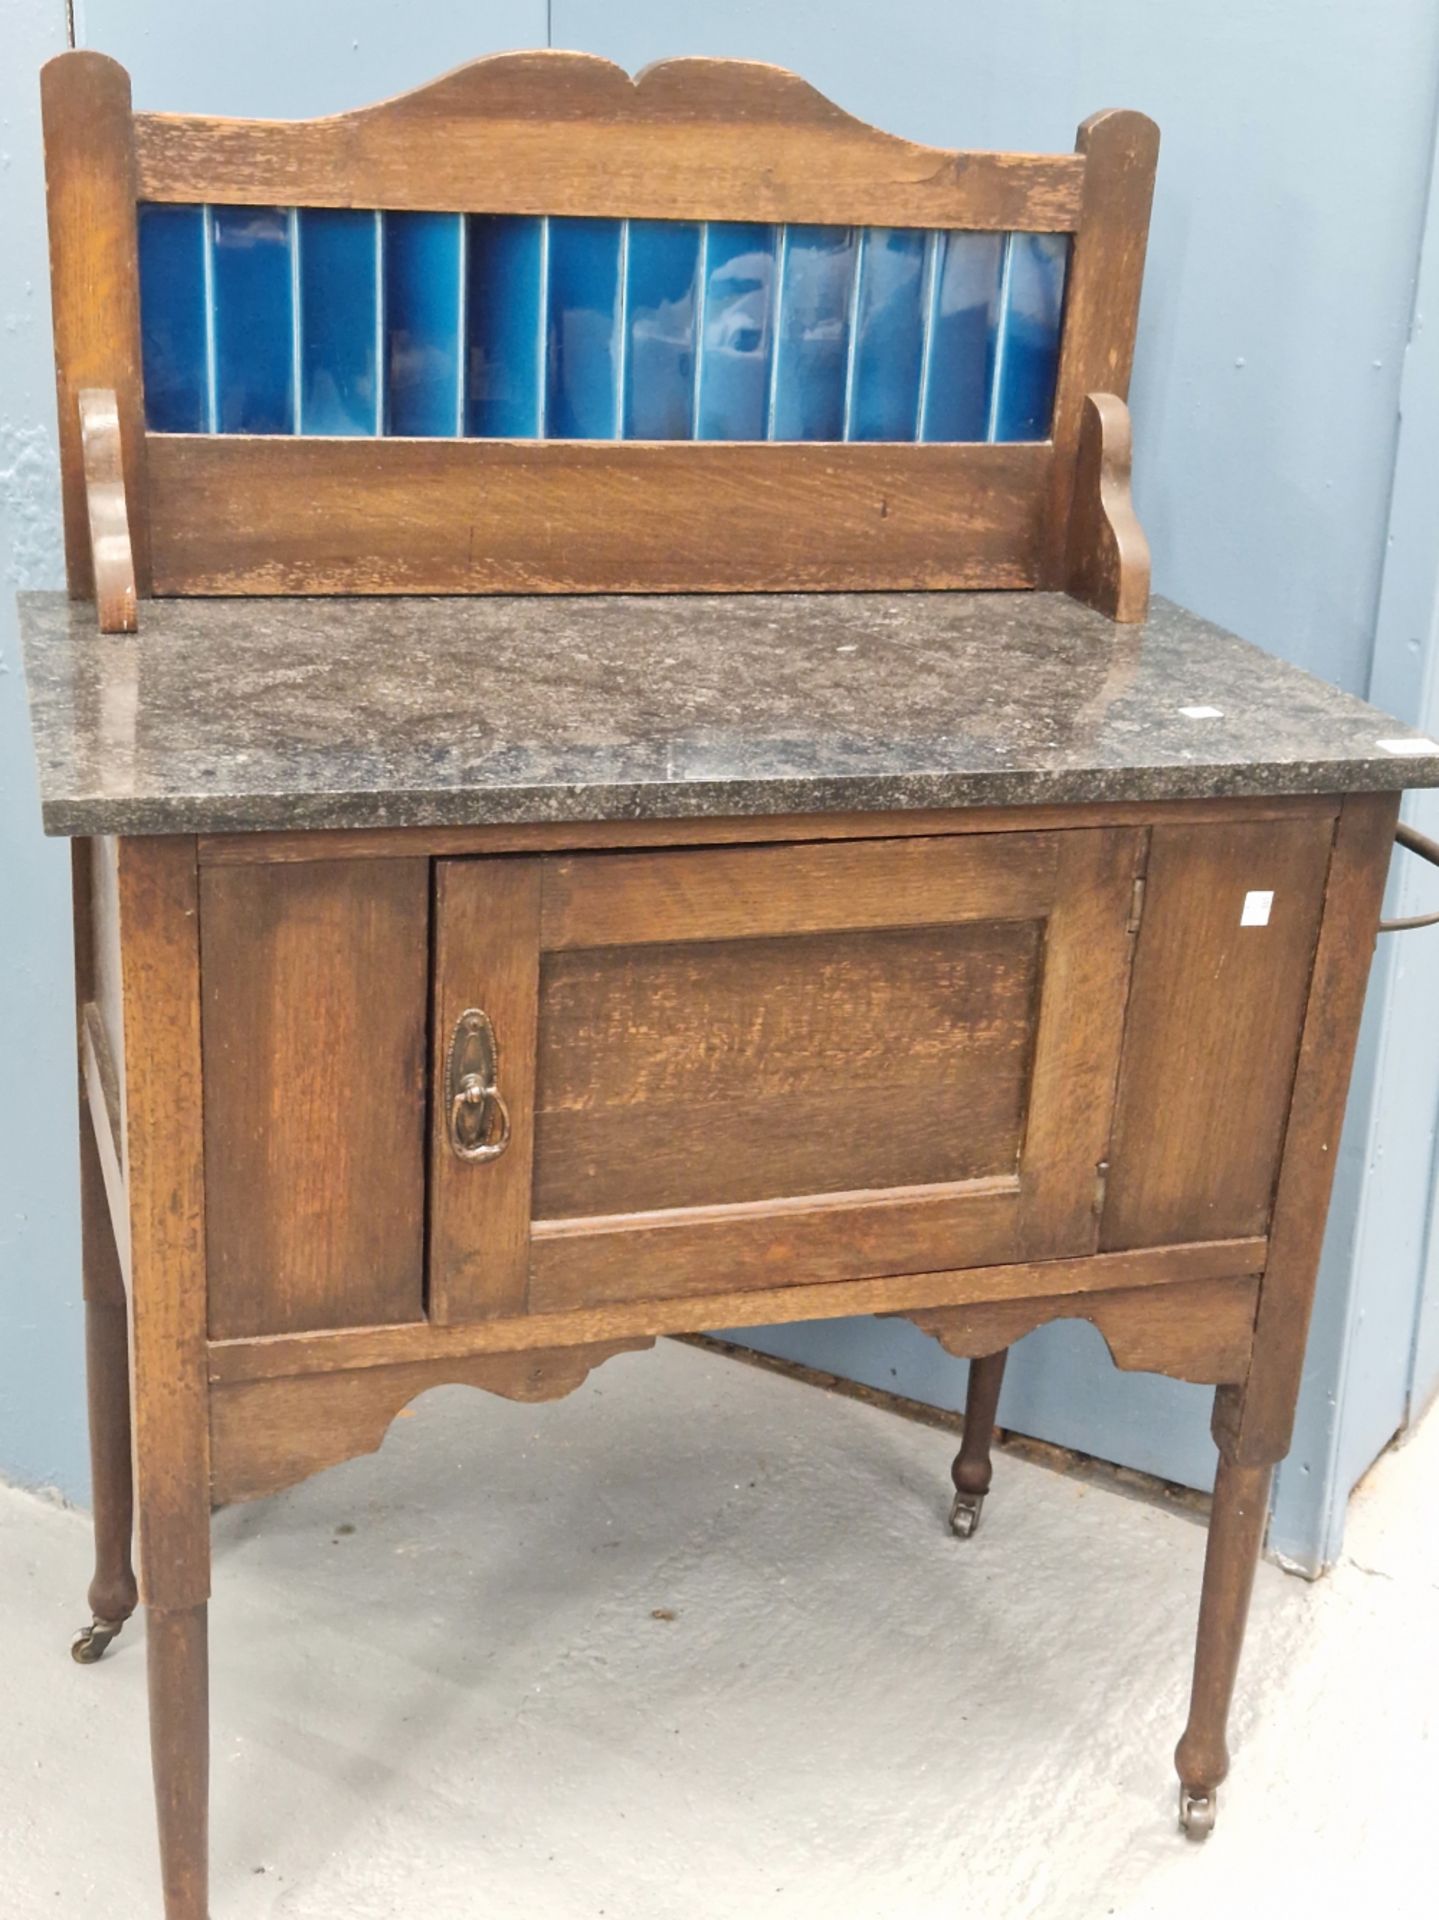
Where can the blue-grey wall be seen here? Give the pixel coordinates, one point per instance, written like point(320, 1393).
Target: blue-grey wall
point(1374, 1360)
point(42, 1437)
point(1298, 140)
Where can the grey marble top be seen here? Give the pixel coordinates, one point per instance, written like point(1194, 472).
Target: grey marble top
point(228, 715)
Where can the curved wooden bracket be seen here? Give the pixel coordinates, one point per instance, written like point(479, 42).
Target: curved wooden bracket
point(269, 1434)
point(110, 549)
point(1107, 563)
point(1198, 1330)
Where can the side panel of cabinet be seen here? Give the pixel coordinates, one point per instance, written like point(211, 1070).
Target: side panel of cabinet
point(1220, 980)
point(315, 994)
point(104, 920)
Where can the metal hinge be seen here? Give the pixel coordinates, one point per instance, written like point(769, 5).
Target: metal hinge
point(1136, 904)
point(1101, 1188)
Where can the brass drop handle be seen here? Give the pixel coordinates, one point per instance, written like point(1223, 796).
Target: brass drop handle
point(479, 1118)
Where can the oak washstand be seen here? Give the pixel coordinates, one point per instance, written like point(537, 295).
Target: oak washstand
point(474, 987)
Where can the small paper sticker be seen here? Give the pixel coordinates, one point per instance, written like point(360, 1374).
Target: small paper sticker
point(1413, 747)
point(1256, 909)
point(1202, 713)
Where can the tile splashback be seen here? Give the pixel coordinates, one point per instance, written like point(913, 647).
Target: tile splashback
point(344, 321)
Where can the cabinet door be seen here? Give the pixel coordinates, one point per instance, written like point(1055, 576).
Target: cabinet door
point(770, 1065)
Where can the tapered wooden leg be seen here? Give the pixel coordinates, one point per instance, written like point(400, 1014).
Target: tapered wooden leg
point(1253, 1422)
point(1236, 1533)
point(180, 1754)
point(973, 1469)
point(164, 1142)
point(107, 1365)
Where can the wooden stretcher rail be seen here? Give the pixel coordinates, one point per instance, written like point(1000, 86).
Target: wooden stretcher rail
point(271, 1358)
point(1197, 1330)
point(102, 1095)
point(271, 1433)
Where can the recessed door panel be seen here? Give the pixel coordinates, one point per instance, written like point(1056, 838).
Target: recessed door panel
point(713, 1072)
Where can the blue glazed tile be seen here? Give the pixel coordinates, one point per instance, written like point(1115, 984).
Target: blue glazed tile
point(506, 327)
point(582, 380)
point(340, 264)
point(889, 335)
point(662, 284)
point(424, 297)
point(963, 321)
point(172, 318)
point(1029, 351)
point(733, 379)
point(812, 343)
point(253, 319)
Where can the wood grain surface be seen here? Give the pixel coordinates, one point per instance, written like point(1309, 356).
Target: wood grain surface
point(90, 193)
point(486, 944)
point(1108, 562)
point(316, 997)
point(1213, 1029)
point(1150, 1267)
point(234, 514)
point(112, 557)
point(547, 836)
point(569, 133)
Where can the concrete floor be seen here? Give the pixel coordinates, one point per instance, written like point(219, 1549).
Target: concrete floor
point(695, 1643)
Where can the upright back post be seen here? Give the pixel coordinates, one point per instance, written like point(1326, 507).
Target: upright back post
point(91, 190)
point(1101, 312)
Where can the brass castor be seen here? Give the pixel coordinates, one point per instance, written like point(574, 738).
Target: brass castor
point(1197, 1812)
point(90, 1643)
point(964, 1514)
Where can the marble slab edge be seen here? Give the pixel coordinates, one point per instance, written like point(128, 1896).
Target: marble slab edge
point(739, 799)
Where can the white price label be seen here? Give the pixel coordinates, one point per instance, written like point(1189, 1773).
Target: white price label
point(1256, 909)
